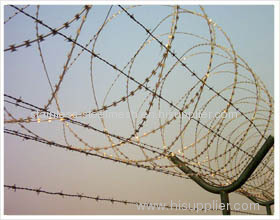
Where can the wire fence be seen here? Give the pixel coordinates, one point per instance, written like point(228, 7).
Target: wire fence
point(221, 147)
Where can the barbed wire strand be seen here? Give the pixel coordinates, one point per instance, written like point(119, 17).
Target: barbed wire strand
point(111, 200)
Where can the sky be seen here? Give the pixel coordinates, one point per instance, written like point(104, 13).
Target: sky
point(250, 30)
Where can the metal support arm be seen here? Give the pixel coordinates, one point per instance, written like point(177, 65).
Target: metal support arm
point(225, 190)
point(236, 184)
point(267, 204)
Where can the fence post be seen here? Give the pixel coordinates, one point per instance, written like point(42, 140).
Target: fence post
point(225, 202)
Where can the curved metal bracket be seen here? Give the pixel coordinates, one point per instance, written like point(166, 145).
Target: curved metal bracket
point(244, 176)
point(267, 204)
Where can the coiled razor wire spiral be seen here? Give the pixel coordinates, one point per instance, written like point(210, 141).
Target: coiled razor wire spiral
point(217, 149)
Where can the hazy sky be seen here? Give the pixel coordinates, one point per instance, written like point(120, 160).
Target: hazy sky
point(27, 163)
